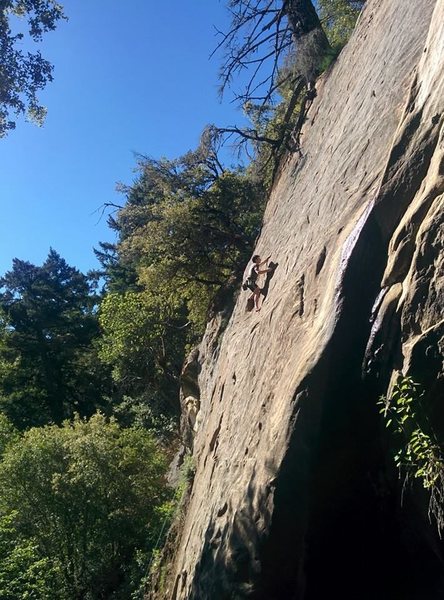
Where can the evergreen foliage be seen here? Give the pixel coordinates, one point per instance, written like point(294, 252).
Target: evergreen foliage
point(23, 75)
point(186, 229)
point(144, 345)
point(8, 433)
point(48, 362)
point(339, 17)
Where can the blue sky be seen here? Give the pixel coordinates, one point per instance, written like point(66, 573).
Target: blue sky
point(130, 76)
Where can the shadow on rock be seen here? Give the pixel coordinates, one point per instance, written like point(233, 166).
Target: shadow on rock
point(230, 563)
point(264, 290)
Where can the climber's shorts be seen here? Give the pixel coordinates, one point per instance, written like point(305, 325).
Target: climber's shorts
point(251, 285)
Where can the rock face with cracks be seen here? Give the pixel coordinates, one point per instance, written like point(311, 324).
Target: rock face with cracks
point(295, 495)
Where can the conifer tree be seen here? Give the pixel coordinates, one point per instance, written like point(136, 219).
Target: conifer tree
point(48, 365)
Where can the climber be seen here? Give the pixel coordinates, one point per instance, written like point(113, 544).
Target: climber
point(253, 272)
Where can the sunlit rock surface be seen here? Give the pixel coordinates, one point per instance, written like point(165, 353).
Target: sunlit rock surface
point(295, 495)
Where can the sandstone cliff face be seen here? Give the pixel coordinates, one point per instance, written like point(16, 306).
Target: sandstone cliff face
point(294, 494)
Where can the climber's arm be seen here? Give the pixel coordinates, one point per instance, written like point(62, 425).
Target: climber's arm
point(263, 262)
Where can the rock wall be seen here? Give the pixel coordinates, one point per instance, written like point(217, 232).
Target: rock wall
point(294, 494)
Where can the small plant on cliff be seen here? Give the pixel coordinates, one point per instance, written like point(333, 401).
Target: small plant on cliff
point(418, 453)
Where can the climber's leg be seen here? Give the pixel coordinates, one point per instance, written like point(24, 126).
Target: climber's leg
point(257, 297)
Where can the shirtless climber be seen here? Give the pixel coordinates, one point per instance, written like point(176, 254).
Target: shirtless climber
point(253, 273)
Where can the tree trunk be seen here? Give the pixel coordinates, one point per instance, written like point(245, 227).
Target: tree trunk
point(309, 37)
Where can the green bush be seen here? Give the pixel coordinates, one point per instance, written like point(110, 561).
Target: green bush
point(86, 499)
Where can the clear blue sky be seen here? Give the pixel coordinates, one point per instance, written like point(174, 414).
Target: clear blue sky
point(130, 76)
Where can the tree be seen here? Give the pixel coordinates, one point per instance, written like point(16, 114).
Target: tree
point(273, 42)
point(186, 224)
point(279, 47)
point(8, 434)
point(23, 75)
point(263, 35)
point(186, 230)
point(86, 498)
point(24, 573)
point(143, 342)
point(338, 18)
point(48, 360)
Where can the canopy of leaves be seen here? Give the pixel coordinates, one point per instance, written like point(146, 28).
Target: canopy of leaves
point(48, 361)
point(186, 229)
point(8, 433)
point(24, 74)
point(338, 18)
point(143, 342)
point(77, 504)
point(200, 236)
point(24, 573)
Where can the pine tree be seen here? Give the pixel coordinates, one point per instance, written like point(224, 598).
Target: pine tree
point(48, 364)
